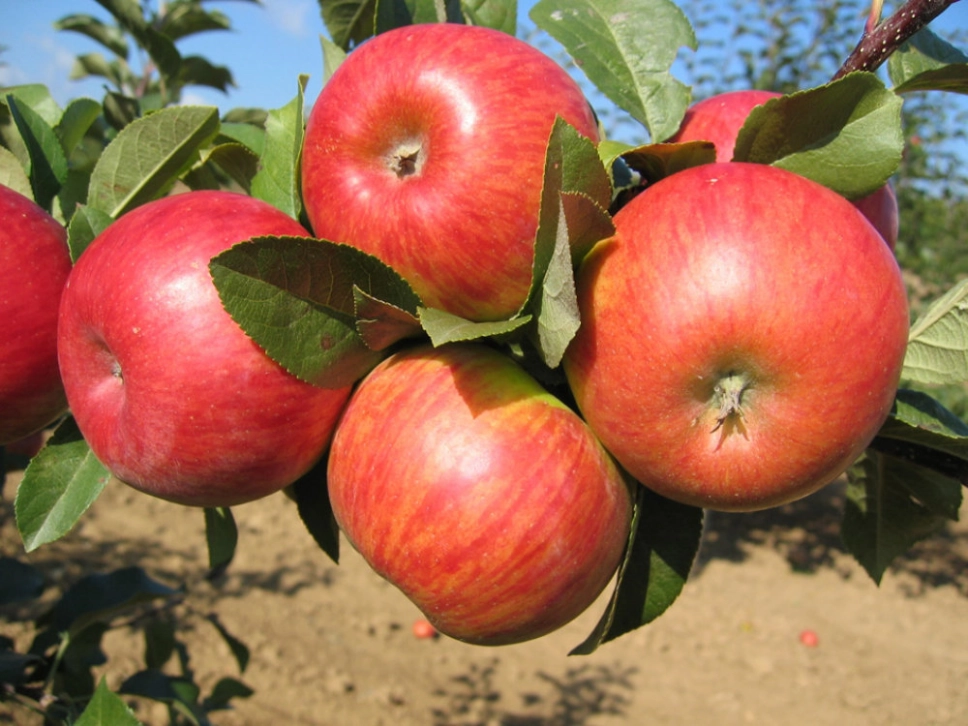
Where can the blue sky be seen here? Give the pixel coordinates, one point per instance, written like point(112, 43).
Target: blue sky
point(267, 50)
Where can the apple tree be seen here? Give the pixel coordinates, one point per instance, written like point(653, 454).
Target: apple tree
point(337, 305)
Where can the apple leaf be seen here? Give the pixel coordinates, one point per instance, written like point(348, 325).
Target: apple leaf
point(497, 14)
point(845, 135)
point(236, 160)
point(891, 504)
point(48, 164)
point(626, 48)
point(75, 122)
point(12, 174)
point(250, 135)
point(147, 155)
point(392, 14)
point(277, 181)
point(381, 324)
point(312, 500)
point(159, 47)
point(662, 547)
point(444, 327)
point(222, 536)
point(295, 297)
point(110, 36)
point(240, 650)
point(333, 57)
point(59, 485)
point(928, 63)
point(575, 191)
point(85, 225)
point(937, 351)
point(349, 22)
point(37, 97)
point(106, 708)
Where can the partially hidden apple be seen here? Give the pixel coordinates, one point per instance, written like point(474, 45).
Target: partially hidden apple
point(171, 395)
point(486, 500)
point(742, 336)
point(34, 265)
point(426, 149)
point(719, 119)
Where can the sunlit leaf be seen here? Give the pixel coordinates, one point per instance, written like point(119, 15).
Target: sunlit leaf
point(349, 22)
point(278, 179)
point(75, 121)
point(48, 164)
point(110, 36)
point(86, 224)
point(626, 48)
point(497, 14)
point(147, 155)
point(443, 327)
point(106, 708)
point(845, 135)
point(59, 485)
point(937, 351)
point(12, 174)
point(928, 63)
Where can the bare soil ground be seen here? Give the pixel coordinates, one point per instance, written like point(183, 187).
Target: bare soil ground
point(332, 645)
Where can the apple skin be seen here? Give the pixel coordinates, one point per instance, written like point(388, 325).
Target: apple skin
point(487, 501)
point(719, 119)
point(473, 108)
point(171, 395)
point(34, 265)
point(756, 280)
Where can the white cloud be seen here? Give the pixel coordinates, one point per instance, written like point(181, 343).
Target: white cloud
point(291, 16)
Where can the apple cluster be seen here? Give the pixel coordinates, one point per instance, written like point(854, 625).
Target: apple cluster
point(741, 340)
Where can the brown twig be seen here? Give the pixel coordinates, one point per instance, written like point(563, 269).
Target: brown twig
point(879, 42)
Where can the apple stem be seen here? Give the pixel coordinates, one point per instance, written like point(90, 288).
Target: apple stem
point(728, 395)
point(879, 41)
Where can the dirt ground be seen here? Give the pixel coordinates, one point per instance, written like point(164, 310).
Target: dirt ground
point(333, 645)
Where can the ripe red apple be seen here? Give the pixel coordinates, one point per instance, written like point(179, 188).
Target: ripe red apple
point(169, 392)
point(742, 336)
point(426, 149)
point(719, 119)
point(34, 265)
point(487, 501)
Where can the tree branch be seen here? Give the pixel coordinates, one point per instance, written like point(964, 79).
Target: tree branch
point(879, 42)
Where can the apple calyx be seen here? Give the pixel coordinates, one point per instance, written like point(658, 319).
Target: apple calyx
point(406, 159)
point(727, 400)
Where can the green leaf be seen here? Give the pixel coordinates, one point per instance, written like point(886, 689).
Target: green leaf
point(845, 135)
point(99, 598)
point(84, 227)
point(278, 179)
point(391, 14)
point(662, 547)
point(95, 64)
point(381, 324)
point(626, 48)
point(312, 501)
point(106, 709)
point(295, 297)
point(121, 110)
point(937, 351)
point(654, 162)
point(59, 485)
point(497, 14)
point(179, 691)
point(37, 97)
point(19, 581)
point(159, 641)
point(236, 160)
point(572, 218)
point(48, 164)
point(333, 57)
point(444, 327)
point(222, 536)
point(349, 22)
point(239, 649)
point(885, 511)
point(159, 47)
point(188, 18)
point(75, 121)
point(928, 63)
point(198, 71)
point(110, 36)
point(147, 156)
point(249, 135)
point(12, 174)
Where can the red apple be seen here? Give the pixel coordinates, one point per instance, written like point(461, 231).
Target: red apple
point(171, 395)
point(742, 336)
point(34, 265)
point(426, 149)
point(487, 501)
point(719, 119)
